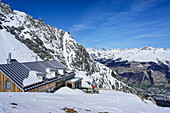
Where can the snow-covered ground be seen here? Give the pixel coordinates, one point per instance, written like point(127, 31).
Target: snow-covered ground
point(107, 101)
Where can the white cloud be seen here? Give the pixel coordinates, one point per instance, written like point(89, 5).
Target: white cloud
point(79, 27)
point(150, 36)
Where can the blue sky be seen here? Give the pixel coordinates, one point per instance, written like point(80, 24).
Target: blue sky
point(105, 23)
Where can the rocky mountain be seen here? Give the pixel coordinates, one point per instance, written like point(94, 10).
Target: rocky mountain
point(26, 38)
point(145, 68)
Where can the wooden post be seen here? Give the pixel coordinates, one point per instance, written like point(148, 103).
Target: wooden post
point(80, 83)
point(73, 86)
point(66, 84)
point(2, 82)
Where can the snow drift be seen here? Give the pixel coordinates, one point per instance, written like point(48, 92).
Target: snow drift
point(107, 101)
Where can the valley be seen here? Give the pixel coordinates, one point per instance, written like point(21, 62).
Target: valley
point(122, 76)
point(149, 78)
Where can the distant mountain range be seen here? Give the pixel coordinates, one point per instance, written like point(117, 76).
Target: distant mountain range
point(144, 68)
point(145, 54)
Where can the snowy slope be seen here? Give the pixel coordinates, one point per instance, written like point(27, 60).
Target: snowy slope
point(50, 43)
point(107, 101)
point(18, 50)
point(145, 54)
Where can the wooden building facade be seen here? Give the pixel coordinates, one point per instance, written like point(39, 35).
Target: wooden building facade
point(74, 83)
point(13, 74)
point(6, 85)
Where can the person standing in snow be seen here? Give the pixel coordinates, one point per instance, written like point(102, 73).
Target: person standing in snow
point(93, 90)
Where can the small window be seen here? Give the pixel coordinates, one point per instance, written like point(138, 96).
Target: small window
point(76, 85)
point(8, 85)
point(69, 85)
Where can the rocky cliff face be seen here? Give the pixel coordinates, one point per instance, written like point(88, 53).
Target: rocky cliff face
point(50, 43)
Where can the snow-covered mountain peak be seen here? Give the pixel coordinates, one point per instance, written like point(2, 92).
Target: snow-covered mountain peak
point(30, 38)
point(6, 8)
point(145, 54)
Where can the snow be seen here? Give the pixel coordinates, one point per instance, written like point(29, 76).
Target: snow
point(18, 50)
point(21, 16)
point(66, 47)
point(83, 75)
point(48, 70)
point(69, 54)
point(48, 73)
point(144, 54)
point(107, 101)
point(32, 78)
point(68, 91)
point(75, 79)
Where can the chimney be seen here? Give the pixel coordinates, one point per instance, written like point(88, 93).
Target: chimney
point(9, 59)
point(36, 58)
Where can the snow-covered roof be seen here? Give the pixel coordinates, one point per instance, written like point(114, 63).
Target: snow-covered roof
point(17, 72)
point(41, 66)
point(75, 79)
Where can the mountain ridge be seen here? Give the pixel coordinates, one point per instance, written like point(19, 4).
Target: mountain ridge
point(135, 54)
point(48, 43)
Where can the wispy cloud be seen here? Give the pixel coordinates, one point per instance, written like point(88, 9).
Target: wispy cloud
point(151, 36)
point(141, 5)
point(106, 22)
point(80, 27)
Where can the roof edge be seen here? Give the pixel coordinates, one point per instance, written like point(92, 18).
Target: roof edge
point(12, 81)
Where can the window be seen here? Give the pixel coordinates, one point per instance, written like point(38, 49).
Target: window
point(77, 85)
point(69, 85)
point(8, 85)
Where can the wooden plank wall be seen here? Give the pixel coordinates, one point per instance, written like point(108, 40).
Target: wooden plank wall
point(49, 87)
point(44, 88)
point(15, 88)
point(3, 79)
